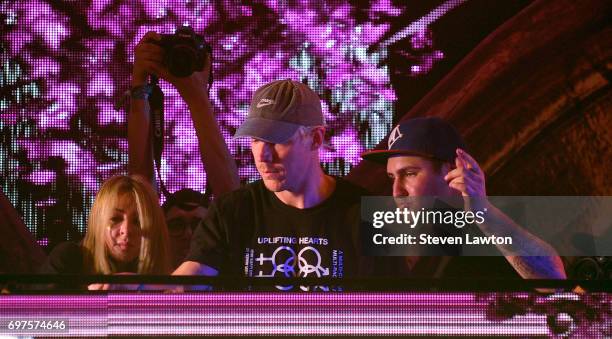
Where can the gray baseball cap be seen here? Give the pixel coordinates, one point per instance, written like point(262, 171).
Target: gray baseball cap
point(278, 109)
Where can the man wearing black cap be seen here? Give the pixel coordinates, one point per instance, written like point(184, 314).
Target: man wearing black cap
point(426, 157)
point(184, 210)
point(295, 222)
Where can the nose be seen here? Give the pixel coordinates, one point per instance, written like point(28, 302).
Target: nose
point(127, 228)
point(398, 188)
point(124, 230)
point(262, 151)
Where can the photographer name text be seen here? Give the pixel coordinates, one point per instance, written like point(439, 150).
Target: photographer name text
point(426, 239)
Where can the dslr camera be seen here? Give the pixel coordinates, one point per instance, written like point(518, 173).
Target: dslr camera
point(184, 51)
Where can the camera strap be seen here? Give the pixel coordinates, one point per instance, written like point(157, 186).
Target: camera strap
point(156, 104)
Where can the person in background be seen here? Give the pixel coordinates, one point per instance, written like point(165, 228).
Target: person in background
point(221, 170)
point(126, 234)
point(19, 252)
point(426, 157)
point(184, 210)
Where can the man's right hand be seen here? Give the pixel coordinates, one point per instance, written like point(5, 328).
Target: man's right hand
point(195, 268)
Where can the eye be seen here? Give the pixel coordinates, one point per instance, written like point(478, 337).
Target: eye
point(116, 219)
point(390, 176)
point(409, 173)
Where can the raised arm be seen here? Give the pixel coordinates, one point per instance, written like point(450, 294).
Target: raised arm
point(140, 149)
point(529, 255)
point(221, 170)
point(220, 166)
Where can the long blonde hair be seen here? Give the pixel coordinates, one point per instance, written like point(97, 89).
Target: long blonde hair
point(154, 257)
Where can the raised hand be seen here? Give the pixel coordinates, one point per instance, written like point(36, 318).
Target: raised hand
point(148, 60)
point(467, 178)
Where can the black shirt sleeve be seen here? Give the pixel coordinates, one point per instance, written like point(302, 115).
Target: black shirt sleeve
point(219, 240)
point(65, 258)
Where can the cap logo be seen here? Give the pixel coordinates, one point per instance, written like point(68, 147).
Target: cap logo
point(395, 135)
point(264, 102)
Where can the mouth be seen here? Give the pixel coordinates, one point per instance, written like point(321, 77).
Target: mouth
point(270, 174)
point(403, 202)
point(123, 246)
point(265, 169)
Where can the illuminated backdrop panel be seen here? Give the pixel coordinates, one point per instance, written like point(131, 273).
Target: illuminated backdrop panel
point(65, 65)
point(518, 314)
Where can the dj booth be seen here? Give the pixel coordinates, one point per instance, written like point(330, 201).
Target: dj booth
point(423, 308)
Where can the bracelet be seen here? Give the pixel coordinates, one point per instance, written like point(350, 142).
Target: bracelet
point(141, 92)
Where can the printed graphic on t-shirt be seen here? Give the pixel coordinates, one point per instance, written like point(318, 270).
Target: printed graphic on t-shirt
point(305, 257)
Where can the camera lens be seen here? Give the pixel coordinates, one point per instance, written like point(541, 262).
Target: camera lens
point(181, 60)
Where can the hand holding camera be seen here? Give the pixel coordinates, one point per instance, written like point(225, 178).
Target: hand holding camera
point(183, 59)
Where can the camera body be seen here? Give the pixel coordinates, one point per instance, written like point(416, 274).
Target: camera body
point(184, 51)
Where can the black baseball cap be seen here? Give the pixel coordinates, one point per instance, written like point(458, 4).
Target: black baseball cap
point(185, 199)
point(429, 137)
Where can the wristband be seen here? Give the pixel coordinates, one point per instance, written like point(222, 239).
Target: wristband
point(141, 92)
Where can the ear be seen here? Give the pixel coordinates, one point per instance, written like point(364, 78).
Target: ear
point(318, 136)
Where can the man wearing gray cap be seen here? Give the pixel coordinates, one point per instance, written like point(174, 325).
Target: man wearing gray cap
point(295, 222)
point(426, 157)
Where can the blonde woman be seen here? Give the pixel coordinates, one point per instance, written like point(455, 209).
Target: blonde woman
point(126, 233)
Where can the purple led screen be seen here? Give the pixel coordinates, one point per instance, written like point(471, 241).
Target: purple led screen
point(416, 314)
point(66, 63)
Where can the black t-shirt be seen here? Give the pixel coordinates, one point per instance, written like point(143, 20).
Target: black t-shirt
point(65, 258)
point(450, 263)
point(250, 232)
point(463, 267)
